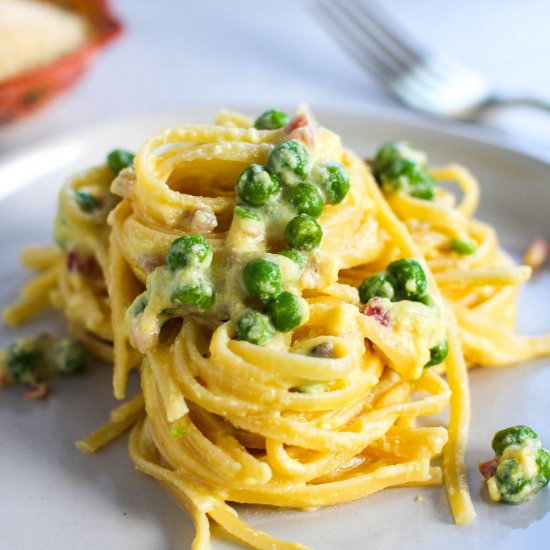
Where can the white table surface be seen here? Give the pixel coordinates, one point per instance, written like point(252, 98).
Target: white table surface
point(248, 52)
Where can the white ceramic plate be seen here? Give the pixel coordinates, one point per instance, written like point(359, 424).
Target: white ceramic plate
point(55, 497)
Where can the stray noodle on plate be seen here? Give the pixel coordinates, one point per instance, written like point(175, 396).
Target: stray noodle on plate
point(292, 311)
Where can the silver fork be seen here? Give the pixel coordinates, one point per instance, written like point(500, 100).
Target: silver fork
point(419, 79)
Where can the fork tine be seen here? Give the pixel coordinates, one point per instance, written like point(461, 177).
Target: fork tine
point(373, 35)
point(379, 36)
point(437, 70)
point(404, 45)
point(394, 33)
point(340, 32)
point(339, 24)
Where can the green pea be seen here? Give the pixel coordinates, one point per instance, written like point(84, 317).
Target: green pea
point(289, 161)
point(376, 285)
point(407, 176)
point(303, 232)
point(307, 199)
point(422, 186)
point(410, 279)
point(262, 279)
point(515, 435)
point(86, 202)
point(438, 354)
point(254, 327)
point(398, 150)
point(296, 256)
point(543, 463)
point(24, 362)
point(246, 213)
point(256, 185)
point(271, 120)
point(190, 249)
point(119, 159)
point(463, 245)
point(397, 175)
point(333, 178)
point(197, 294)
point(69, 357)
point(285, 311)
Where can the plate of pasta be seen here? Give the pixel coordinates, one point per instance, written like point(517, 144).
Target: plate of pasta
point(309, 329)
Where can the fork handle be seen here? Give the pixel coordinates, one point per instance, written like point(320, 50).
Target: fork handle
point(502, 100)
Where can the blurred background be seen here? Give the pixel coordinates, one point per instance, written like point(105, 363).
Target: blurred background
point(245, 53)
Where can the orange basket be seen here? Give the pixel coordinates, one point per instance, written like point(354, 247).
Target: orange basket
point(30, 90)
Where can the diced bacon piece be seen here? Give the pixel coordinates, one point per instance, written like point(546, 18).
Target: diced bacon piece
point(488, 468)
point(297, 122)
point(202, 220)
point(537, 253)
point(374, 308)
point(252, 231)
point(4, 380)
point(80, 263)
point(123, 183)
point(37, 391)
point(310, 277)
point(149, 262)
point(301, 128)
point(305, 135)
point(144, 335)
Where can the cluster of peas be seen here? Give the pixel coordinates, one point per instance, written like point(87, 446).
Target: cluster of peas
point(32, 360)
point(403, 280)
point(514, 483)
point(188, 260)
point(289, 177)
point(399, 167)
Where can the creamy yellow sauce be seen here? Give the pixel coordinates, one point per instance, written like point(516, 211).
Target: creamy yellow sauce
point(423, 323)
